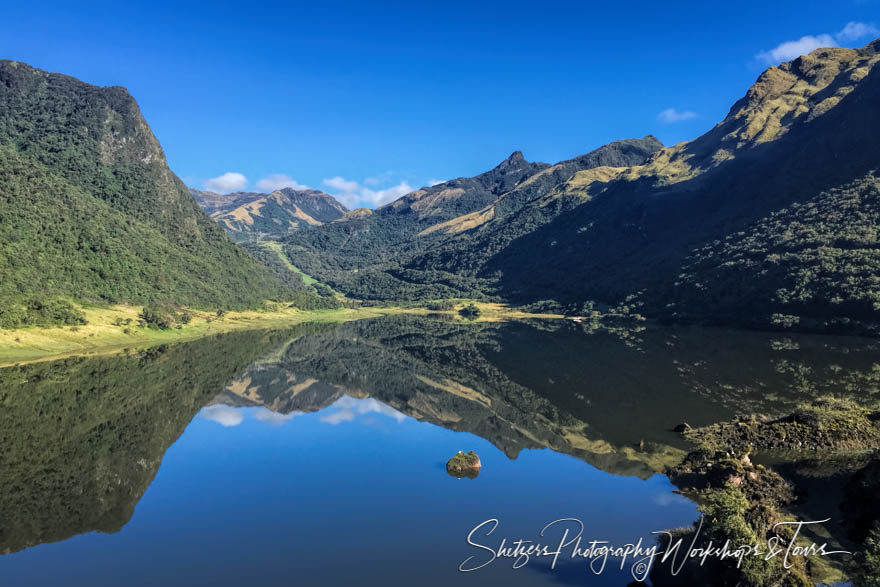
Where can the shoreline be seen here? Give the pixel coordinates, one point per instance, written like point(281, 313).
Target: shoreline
point(745, 499)
point(102, 335)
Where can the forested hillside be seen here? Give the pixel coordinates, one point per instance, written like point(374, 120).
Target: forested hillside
point(89, 209)
point(365, 254)
point(769, 219)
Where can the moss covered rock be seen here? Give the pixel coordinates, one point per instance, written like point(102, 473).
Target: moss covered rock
point(464, 465)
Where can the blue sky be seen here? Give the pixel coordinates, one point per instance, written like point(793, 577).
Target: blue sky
point(367, 100)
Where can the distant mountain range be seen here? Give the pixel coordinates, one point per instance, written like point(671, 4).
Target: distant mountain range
point(257, 215)
point(770, 219)
point(366, 255)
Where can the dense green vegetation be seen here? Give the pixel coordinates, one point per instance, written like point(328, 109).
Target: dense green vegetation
point(90, 210)
point(270, 259)
point(768, 221)
point(166, 315)
point(470, 312)
point(314, 296)
point(829, 438)
point(367, 257)
point(39, 311)
point(819, 260)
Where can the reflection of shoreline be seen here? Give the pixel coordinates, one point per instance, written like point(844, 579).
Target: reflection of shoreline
point(76, 429)
point(81, 446)
point(598, 397)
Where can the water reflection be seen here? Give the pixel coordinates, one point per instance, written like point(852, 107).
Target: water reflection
point(609, 397)
point(84, 438)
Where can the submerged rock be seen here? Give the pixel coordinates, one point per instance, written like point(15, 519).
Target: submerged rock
point(464, 465)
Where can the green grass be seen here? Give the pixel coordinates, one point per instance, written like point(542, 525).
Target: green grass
point(103, 333)
point(276, 247)
point(102, 336)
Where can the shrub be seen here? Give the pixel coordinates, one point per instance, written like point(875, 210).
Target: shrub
point(156, 316)
point(470, 311)
point(12, 316)
point(37, 311)
point(50, 312)
point(308, 299)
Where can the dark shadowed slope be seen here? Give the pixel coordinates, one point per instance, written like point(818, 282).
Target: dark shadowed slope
point(364, 253)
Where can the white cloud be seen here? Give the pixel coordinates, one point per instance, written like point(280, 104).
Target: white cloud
point(793, 49)
point(228, 182)
point(338, 417)
point(341, 184)
point(671, 115)
point(346, 409)
point(354, 195)
point(274, 418)
point(223, 415)
point(853, 31)
point(434, 181)
point(276, 181)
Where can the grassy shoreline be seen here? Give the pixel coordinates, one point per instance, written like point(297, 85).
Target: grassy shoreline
point(743, 500)
point(103, 334)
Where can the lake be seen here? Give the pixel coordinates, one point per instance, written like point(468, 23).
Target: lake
point(316, 455)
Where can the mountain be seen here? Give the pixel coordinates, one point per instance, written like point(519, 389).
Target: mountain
point(362, 253)
point(212, 202)
point(769, 219)
point(256, 215)
point(89, 208)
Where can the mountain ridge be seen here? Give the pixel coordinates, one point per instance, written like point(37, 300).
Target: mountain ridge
point(90, 209)
point(359, 252)
point(257, 214)
point(642, 237)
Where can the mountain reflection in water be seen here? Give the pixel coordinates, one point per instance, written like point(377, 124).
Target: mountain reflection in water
point(84, 438)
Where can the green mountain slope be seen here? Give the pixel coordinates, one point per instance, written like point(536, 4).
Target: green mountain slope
point(770, 219)
point(363, 253)
point(249, 215)
point(89, 209)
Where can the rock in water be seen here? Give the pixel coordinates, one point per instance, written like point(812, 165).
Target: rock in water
point(464, 465)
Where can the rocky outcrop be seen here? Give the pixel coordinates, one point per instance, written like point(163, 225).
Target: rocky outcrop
point(464, 464)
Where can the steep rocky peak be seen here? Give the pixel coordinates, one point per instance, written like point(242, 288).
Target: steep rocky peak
point(515, 160)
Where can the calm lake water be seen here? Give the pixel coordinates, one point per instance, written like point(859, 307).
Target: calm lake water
point(316, 456)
